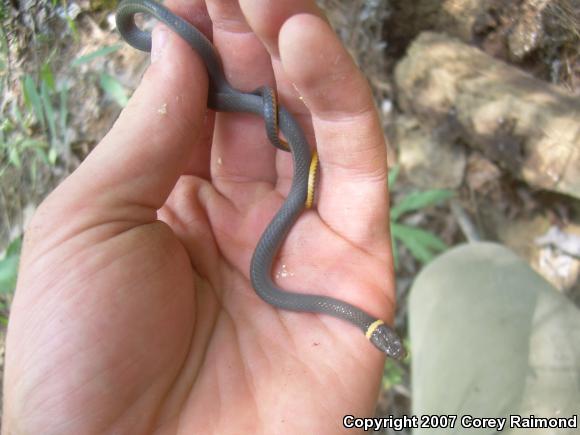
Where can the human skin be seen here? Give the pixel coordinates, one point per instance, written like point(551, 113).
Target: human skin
point(134, 313)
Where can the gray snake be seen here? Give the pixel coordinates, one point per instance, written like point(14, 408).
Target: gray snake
point(223, 97)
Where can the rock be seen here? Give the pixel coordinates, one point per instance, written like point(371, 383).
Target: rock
point(527, 33)
point(528, 127)
point(482, 174)
point(457, 18)
point(568, 243)
point(460, 16)
point(537, 242)
point(428, 159)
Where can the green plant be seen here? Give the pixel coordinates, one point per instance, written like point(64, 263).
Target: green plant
point(47, 105)
point(40, 124)
point(50, 109)
point(9, 266)
point(103, 51)
point(17, 132)
point(8, 273)
point(72, 26)
point(114, 89)
point(109, 84)
point(393, 371)
point(422, 244)
point(16, 138)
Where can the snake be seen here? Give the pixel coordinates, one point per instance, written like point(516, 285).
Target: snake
point(223, 97)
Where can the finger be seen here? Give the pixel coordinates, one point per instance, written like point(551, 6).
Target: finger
point(353, 189)
point(266, 18)
point(195, 12)
point(130, 174)
point(241, 151)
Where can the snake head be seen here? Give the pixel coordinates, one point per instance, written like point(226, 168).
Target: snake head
point(387, 341)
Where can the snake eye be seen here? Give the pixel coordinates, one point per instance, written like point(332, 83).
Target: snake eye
point(388, 342)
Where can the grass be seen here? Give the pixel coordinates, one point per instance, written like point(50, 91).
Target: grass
point(32, 125)
point(50, 108)
point(9, 262)
point(394, 372)
point(36, 113)
point(38, 121)
point(109, 84)
point(49, 105)
point(38, 125)
point(9, 266)
point(423, 245)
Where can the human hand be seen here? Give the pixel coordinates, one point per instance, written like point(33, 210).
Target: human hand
point(134, 312)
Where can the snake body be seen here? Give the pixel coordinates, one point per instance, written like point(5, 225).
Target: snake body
point(223, 97)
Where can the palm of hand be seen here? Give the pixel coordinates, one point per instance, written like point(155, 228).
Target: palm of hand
point(168, 334)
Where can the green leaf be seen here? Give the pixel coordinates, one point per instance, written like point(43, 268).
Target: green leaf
point(393, 371)
point(3, 36)
point(8, 274)
point(52, 156)
point(114, 89)
point(426, 238)
point(419, 200)
point(14, 157)
point(417, 250)
point(73, 27)
point(6, 126)
point(393, 174)
point(42, 155)
point(17, 115)
point(9, 267)
point(63, 118)
point(95, 54)
point(422, 244)
point(33, 100)
point(47, 76)
point(395, 250)
point(49, 112)
point(33, 143)
point(63, 101)
point(393, 374)
point(14, 247)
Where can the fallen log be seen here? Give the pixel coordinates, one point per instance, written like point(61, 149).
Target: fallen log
point(527, 126)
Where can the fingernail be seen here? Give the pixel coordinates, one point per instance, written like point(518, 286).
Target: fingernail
point(158, 44)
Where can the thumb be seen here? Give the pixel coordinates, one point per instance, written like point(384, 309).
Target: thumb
point(130, 174)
